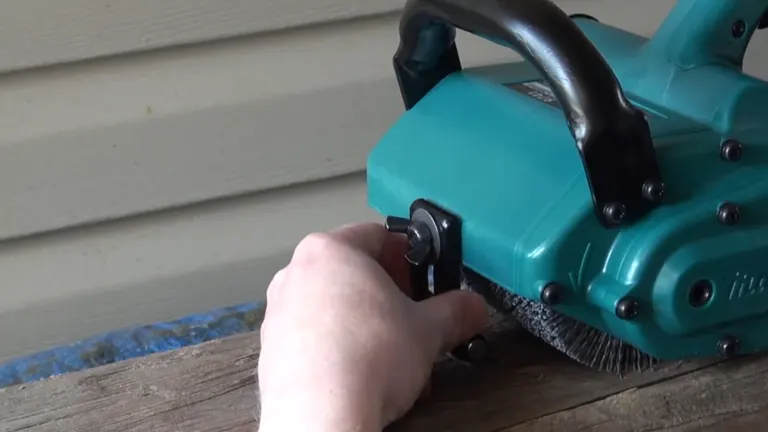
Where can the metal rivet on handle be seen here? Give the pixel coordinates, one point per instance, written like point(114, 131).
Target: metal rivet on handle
point(615, 212)
point(653, 190)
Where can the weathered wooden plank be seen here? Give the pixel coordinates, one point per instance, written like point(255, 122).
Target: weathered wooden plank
point(525, 380)
point(728, 396)
point(208, 387)
point(212, 387)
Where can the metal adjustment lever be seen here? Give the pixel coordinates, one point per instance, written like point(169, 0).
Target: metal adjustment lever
point(434, 238)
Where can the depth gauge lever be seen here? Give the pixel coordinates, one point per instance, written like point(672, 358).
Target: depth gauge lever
point(434, 238)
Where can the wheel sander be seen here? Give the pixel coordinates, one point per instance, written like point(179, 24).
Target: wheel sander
point(609, 190)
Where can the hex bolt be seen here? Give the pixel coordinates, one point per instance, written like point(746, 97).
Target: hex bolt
point(653, 190)
point(473, 351)
point(728, 214)
point(627, 308)
point(615, 212)
point(477, 349)
point(728, 346)
point(551, 294)
point(731, 150)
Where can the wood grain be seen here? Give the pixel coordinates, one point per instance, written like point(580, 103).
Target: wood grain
point(727, 396)
point(524, 381)
point(525, 386)
point(206, 388)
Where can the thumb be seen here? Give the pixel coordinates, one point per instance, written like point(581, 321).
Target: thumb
point(454, 317)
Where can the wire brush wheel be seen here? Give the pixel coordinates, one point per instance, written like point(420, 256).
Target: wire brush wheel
point(581, 342)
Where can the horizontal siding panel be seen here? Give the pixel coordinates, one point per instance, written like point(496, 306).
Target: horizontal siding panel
point(36, 33)
point(69, 285)
point(110, 139)
point(93, 142)
point(42, 32)
point(106, 173)
point(96, 141)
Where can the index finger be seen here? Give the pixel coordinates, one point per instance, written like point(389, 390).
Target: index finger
point(386, 248)
point(367, 237)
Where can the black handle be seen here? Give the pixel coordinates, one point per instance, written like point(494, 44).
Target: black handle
point(612, 137)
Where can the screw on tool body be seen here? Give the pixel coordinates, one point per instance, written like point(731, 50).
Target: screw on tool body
point(627, 308)
point(731, 150)
point(728, 214)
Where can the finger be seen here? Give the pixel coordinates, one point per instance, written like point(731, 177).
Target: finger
point(273, 292)
point(367, 238)
point(263, 333)
point(387, 248)
point(274, 286)
point(392, 260)
point(453, 318)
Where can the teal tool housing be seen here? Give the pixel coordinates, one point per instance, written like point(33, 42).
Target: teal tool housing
point(558, 192)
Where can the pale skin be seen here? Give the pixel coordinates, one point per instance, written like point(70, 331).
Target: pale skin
point(344, 348)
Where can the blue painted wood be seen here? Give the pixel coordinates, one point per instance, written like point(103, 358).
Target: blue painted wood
point(132, 342)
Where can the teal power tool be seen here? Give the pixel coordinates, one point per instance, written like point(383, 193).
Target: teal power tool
point(610, 190)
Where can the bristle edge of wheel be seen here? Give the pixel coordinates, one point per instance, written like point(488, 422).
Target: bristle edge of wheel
point(580, 342)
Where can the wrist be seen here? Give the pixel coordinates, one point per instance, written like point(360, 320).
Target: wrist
point(317, 413)
point(296, 423)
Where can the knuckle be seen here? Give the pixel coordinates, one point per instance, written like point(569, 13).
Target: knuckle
point(278, 278)
point(314, 245)
point(275, 286)
point(262, 333)
point(272, 294)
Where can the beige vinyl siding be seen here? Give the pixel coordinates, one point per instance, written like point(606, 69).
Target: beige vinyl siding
point(163, 158)
point(41, 32)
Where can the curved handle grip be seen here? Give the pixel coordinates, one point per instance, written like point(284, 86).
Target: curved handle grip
point(613, 138)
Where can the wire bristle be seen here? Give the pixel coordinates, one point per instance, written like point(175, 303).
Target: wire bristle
point(581, 342)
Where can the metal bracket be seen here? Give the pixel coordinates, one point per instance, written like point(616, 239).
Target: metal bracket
point(434, 237)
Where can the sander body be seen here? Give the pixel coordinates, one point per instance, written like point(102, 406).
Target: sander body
point(618, 180)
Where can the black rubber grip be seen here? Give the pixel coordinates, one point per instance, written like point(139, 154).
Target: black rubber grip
point(612, 136)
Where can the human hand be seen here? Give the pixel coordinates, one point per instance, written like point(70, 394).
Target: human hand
point(344, 348)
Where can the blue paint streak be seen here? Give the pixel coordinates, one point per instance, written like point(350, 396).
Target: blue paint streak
point(132, 342)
